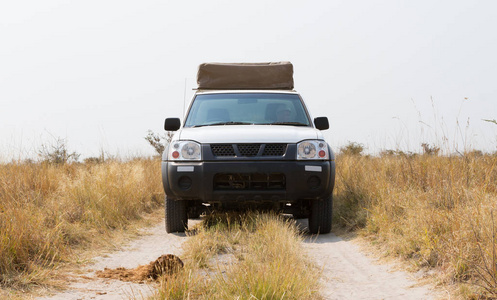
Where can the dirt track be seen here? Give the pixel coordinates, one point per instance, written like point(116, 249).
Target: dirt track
point(347, 272)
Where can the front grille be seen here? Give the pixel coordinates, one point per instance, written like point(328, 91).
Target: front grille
point(274, 150)
point(249, 181)
point(247, 150)
point(223, 150)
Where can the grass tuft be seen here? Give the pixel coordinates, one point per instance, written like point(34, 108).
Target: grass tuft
point(246, 256)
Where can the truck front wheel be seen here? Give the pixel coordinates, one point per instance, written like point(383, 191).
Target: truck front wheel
point(320, 217)
point(176, 215)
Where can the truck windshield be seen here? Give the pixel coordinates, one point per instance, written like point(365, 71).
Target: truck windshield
point(247, 108)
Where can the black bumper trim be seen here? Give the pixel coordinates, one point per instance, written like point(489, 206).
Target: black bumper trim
point(299, 183)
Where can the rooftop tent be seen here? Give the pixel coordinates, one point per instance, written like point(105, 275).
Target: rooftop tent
point(229, 76)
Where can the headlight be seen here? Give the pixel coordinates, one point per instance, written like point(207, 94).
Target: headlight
point(317, 150)
point(184, 150)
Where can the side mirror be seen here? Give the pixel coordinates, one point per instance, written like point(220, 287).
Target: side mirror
point(321, 123)
point(172, 124)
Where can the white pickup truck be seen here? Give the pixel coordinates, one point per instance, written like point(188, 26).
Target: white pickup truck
point(248, 141)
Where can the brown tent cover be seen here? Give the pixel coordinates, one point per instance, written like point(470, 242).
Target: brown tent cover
point(272, 75)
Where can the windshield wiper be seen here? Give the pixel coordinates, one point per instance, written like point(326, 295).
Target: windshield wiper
point(225, 123)
point(285, 123)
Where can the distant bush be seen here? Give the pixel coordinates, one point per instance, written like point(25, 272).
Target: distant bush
point(57, 153)
point(159, 142)
point(429, 149)
point(352, 148)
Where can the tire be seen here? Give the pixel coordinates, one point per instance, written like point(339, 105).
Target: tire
point(176, 218)
point(320, 217)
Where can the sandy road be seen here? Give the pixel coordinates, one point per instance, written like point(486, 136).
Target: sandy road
point(347, 272)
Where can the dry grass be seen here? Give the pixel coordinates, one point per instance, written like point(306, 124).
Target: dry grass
point(438, 212)
point(253, 256)
point(47, 210)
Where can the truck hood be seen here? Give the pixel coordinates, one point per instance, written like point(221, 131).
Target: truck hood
point(248, 134)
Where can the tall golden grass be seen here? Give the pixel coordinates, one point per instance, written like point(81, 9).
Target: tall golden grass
point(437, 211)
point(48, 209)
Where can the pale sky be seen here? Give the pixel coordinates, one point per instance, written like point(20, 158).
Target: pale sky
point(388, 74)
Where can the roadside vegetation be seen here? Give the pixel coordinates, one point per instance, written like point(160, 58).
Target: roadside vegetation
point(438, 212)
point(248, 256)
point(53, 206)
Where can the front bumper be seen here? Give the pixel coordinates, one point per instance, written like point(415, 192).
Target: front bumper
point(238, 181)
